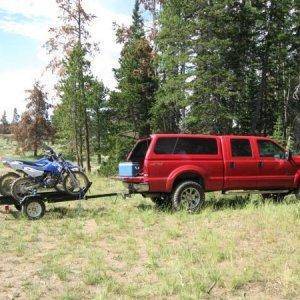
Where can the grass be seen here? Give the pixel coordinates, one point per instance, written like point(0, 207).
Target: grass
point(236, 247)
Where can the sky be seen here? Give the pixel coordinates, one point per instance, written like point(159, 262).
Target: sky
point(24, 28)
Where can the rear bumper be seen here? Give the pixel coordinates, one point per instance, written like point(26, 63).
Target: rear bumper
point(135, 184)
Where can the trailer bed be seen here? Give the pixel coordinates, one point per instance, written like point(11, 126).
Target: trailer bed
point(36, 203)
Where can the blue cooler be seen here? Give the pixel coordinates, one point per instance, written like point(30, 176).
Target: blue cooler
point(129, 169)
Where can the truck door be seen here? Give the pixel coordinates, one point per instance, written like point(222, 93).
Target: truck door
point(241, 164)
point(275, 171)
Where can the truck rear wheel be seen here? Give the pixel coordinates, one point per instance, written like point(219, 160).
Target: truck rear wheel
point(188, 195)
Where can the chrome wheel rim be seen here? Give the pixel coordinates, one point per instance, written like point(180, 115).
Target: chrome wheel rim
point(190, 198)
point(34, 209)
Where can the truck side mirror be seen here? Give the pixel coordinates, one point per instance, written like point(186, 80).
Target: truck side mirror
point(288, 155)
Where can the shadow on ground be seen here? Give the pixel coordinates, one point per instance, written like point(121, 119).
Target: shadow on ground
point(214, 203)
point(224, 202)
point(237, 202)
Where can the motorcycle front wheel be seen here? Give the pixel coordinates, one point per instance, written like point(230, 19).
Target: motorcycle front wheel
point(22, 187)
point(75, 183)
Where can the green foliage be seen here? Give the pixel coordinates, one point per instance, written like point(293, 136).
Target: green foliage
point(136, 80)
point(99, 117)
point(129, 107)
point(205, 66)
point(278, 131)
point(4, 125)
point(226, 66)
point(69, 114)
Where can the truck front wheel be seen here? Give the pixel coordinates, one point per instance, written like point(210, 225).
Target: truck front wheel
point(275, 197)
point(188, 195)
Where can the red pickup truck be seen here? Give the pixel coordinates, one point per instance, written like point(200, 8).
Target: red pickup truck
point(180, 168)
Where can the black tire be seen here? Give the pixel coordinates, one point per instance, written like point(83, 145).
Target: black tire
point(162, 201)
point(67, 183)
point(6, 182)
point(188, 195)
point(275, 197)
point(33, 209)
point(297, 194)
point(18, 207)
point(20, 188)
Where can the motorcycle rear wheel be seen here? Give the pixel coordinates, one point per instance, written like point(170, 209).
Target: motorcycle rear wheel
point(22, 187)
point(75, 188)
point(6, 182)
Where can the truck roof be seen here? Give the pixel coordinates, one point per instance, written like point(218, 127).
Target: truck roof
point(205, 135)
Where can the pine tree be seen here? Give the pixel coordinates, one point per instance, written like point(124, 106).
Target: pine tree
point(4, 125)
point(69, 45)
point(99, 117)
point(34, 127)
point(71, 115)
point(16, 117)
point(229, 66)
point(136, 79)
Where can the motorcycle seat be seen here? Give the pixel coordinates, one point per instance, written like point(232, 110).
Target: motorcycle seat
point(31, 163)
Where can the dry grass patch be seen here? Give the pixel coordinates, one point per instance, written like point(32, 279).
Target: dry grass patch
point(104, 249)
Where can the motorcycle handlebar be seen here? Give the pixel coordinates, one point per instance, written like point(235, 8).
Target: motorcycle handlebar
point(52, 153)
point(50, 150)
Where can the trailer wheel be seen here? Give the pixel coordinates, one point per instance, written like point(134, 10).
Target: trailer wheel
point(34, 209)
point(188, 195)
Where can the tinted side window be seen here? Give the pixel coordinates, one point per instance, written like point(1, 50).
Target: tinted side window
point(269, 149)
point(165, 145)
point(241, 148)
point(196, 146)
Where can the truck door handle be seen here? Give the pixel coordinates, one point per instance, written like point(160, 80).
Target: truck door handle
point(260, 164)
point(232, 164)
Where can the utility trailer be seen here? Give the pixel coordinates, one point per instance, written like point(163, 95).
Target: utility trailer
point(33, 206)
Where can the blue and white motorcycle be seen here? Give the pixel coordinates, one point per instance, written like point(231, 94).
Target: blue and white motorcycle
point(7, 179)
point(55, 172)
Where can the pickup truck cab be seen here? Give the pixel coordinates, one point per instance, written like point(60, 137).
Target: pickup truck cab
point(180, 168)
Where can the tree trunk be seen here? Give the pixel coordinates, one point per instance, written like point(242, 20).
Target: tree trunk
point(87, 141)
point(258, 117)
point(80, 149)
point(98, 135)
point(286, 96)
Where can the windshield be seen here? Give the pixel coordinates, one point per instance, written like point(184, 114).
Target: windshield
point(139, 151)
